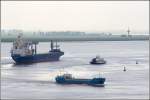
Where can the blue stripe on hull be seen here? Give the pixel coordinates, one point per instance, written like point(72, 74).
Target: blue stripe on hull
point(37, 58)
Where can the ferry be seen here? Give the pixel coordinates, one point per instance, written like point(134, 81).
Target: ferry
point(24, 51)
point(68, 79)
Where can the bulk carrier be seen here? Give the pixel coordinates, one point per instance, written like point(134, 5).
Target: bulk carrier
point(26, 52)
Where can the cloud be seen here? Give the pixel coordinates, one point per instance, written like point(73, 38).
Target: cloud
point(75, 15)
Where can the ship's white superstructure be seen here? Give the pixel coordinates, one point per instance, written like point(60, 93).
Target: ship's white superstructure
point(99, 59)
point(22, 47)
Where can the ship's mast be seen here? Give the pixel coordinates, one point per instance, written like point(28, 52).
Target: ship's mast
point(56, 44)
point(52, 46)
point(35, 46)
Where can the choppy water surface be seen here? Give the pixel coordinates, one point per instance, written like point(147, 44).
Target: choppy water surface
point(37, 81)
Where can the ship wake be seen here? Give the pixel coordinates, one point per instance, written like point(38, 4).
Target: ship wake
point(6, 60)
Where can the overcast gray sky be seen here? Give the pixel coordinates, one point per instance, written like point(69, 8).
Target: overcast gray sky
point(75, 15)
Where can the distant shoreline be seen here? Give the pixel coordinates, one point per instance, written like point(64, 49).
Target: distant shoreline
point(80, 38)
point(11, 35)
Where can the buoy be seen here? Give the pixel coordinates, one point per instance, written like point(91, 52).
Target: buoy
point(124, 69)
point(136, 62)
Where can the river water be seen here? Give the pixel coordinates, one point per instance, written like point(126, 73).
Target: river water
point(37, 81)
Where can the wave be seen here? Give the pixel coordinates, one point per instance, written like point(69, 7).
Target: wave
point(22, 80)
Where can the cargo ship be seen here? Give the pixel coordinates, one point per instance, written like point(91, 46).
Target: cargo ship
point(24, 51)
point(68, 79)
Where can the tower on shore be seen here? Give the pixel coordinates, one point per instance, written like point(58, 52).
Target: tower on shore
point(128, 31)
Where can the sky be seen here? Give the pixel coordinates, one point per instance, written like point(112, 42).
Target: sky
point(87, 16)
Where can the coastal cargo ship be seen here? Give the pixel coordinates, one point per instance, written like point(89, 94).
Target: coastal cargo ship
point(26, 52)
point(68, 79)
